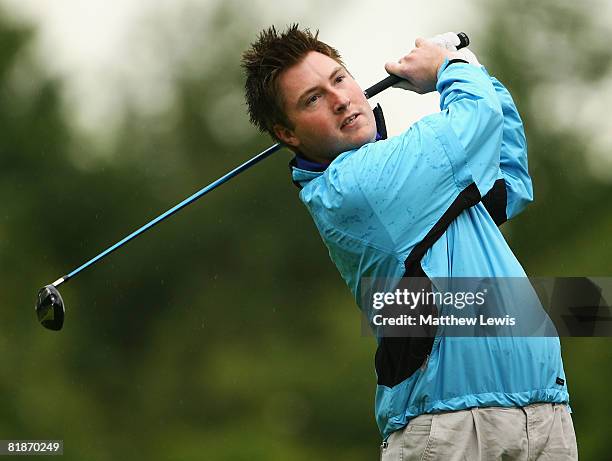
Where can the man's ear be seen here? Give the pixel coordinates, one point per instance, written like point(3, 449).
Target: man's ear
point(286, 135)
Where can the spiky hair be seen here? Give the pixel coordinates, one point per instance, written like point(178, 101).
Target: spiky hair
point(264, 62)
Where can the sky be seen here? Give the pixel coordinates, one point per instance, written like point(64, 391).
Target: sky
point(88, 43)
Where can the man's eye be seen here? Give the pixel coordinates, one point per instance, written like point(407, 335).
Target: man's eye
point(312, 99)
point(339, 78)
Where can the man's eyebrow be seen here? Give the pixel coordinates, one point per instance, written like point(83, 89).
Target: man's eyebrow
point(310, 90)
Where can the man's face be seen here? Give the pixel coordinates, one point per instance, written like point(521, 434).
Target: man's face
point(327, 108)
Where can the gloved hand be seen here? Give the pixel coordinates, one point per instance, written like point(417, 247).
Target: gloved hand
point(450, 41)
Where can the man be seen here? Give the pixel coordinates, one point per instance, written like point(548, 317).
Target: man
point(426, 203)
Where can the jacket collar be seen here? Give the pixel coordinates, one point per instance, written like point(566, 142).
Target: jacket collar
point(305, 164)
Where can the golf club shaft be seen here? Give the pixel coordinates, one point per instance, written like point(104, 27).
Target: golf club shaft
point(236, 171)
point(370, 92)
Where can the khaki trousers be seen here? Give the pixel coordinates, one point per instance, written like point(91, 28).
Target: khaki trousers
point(541, 431)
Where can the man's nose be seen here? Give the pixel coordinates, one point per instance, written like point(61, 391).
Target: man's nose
point(341, 101)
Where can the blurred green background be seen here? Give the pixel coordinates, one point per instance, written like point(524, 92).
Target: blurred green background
point(226, 333)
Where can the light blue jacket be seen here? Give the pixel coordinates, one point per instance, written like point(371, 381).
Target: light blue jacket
point(417, 198)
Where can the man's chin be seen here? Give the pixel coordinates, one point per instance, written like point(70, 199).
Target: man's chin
point(360, 142)
point(332, 153)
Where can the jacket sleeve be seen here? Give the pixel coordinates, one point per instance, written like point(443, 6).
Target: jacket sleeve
point(472, 109)
point(513, 190)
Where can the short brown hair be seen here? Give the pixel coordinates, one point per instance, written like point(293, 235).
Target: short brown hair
point(265, 60)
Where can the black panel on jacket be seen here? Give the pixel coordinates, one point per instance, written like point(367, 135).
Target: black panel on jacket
point(398, 358)
point(495, 202)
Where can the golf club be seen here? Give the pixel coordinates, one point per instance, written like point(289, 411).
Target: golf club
point(50, 305)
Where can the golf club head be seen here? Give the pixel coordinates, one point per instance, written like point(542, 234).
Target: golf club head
point(50, 308)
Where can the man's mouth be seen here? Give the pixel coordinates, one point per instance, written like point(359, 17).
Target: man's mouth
point(349, 121)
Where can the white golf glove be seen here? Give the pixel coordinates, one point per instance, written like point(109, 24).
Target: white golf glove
point(450, 41)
